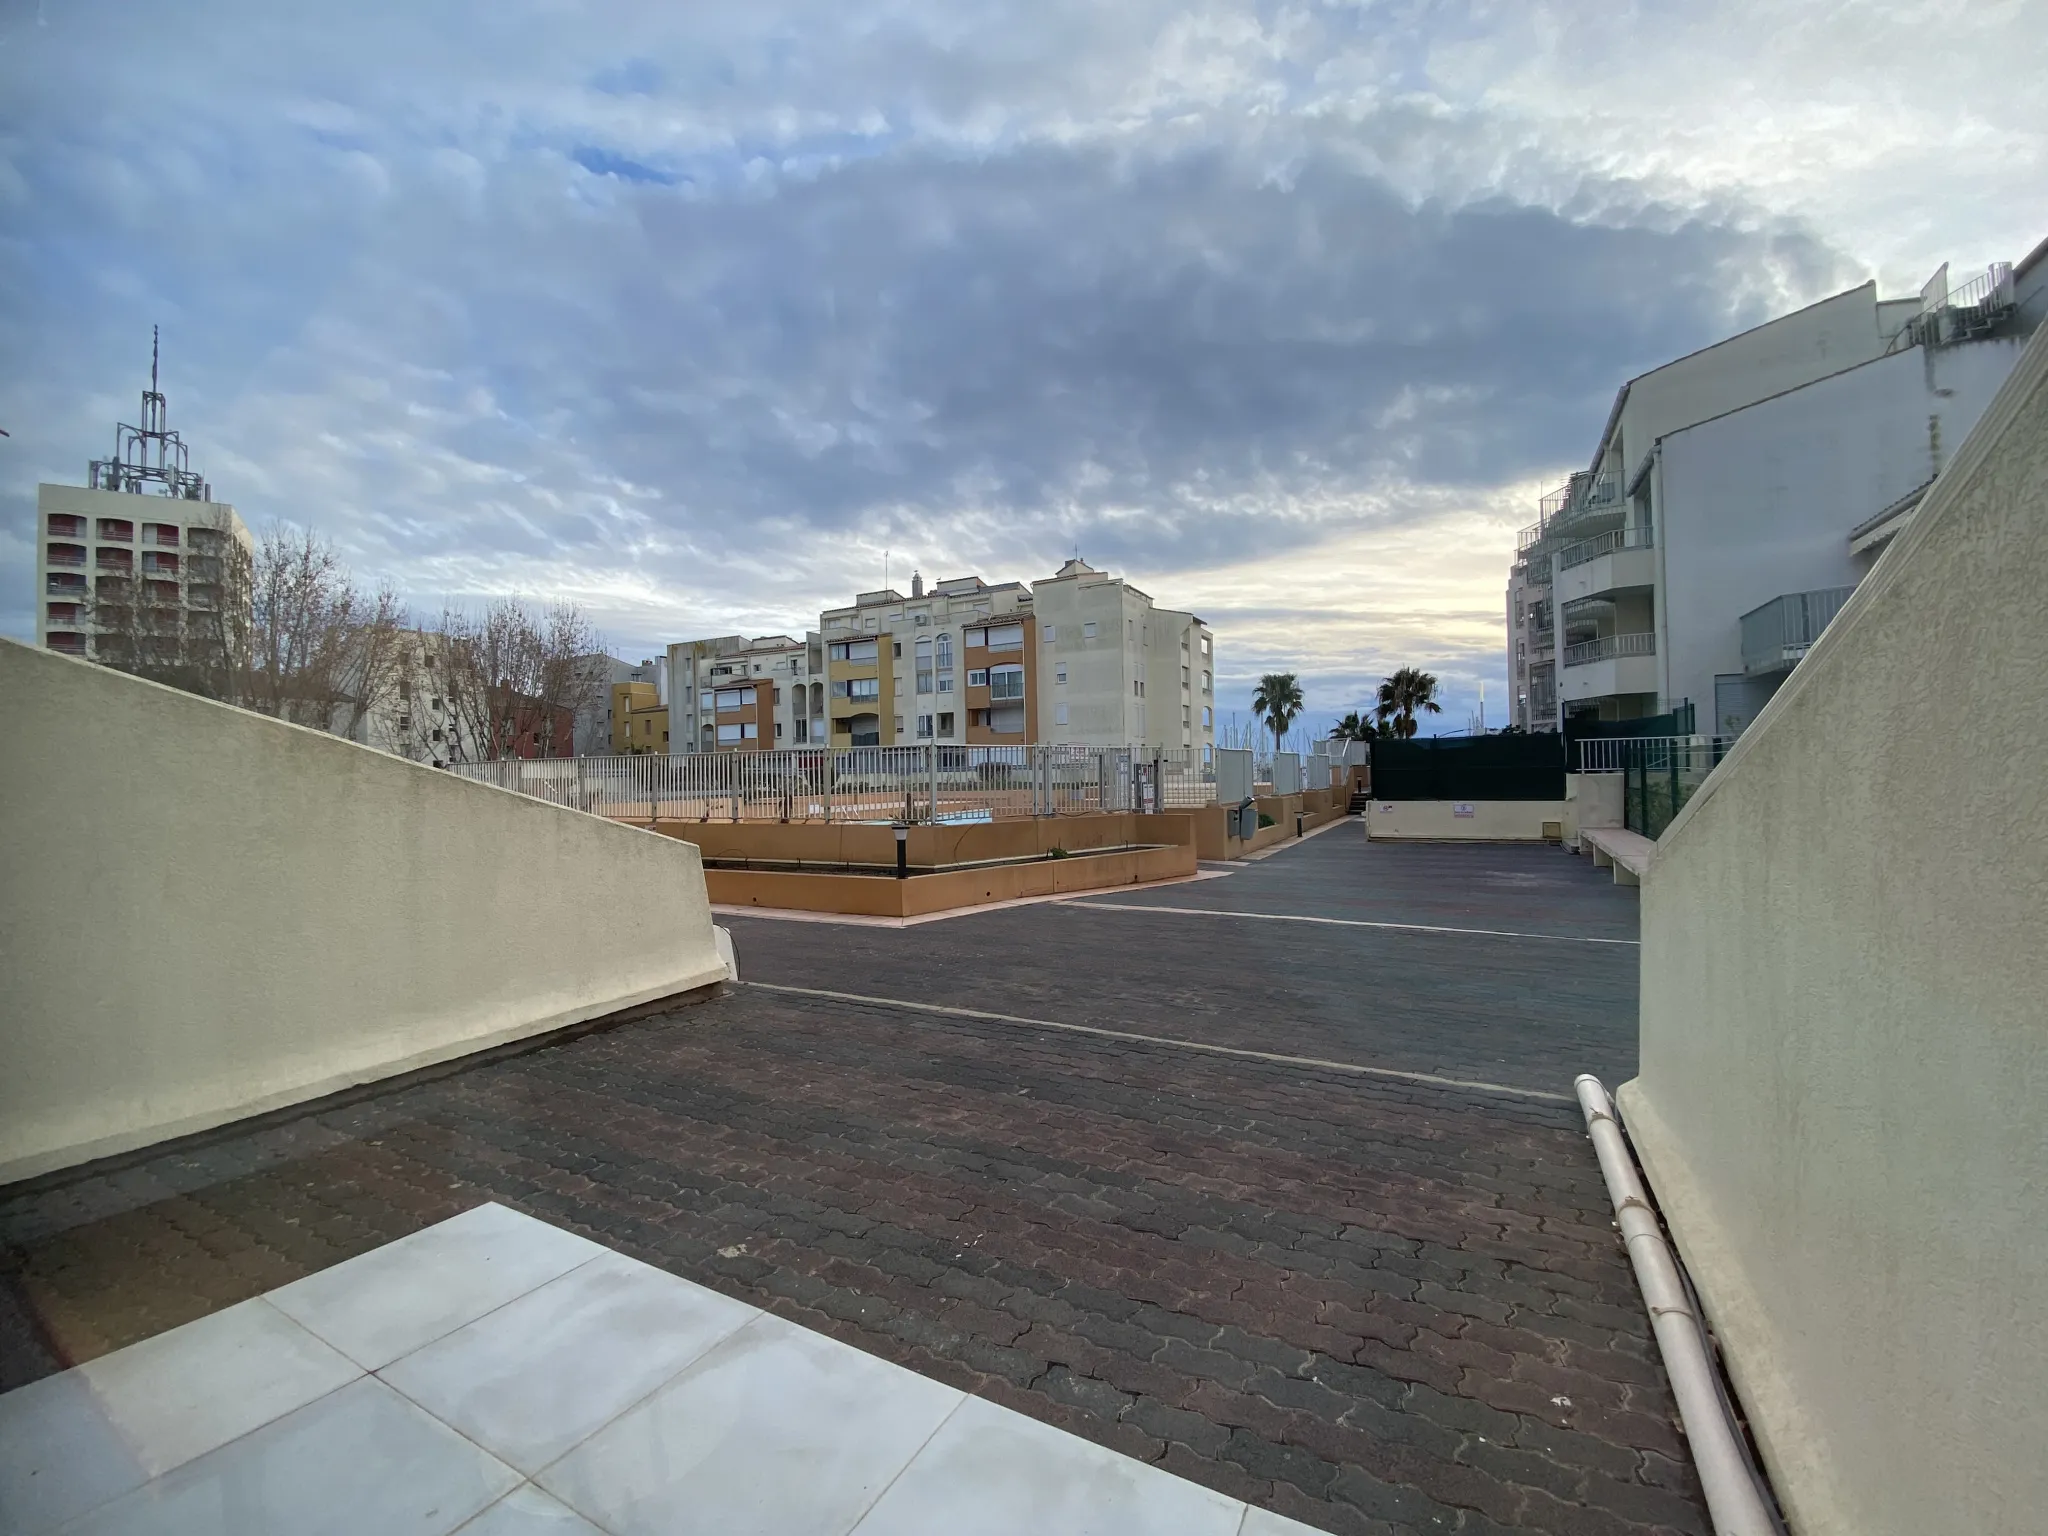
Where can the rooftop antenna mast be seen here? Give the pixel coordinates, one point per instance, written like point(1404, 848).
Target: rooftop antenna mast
point(151, 454)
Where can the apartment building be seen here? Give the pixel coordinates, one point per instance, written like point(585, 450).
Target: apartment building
point(1737, 496)
point(732, 694)
point(1117, 668)
point(1080, 656)
point(639, 720)
point(952, 664)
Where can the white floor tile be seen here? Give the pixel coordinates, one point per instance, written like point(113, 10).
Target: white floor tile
point(526, 1511)
point(359, 1462)
point(777, 1430)
point(60, 1455)
point(998, 1473)
point(390, 1301)
point(1262, 1522)
point(73, 1441)
point(532, 1380)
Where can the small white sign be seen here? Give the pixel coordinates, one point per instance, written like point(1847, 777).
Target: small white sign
point(1461, 808)
point(1385, 809)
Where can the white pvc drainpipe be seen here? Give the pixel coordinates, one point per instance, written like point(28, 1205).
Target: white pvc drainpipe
point(1734, 1501)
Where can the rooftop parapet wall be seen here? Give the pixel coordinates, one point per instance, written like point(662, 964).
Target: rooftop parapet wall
point(208, 913)
point(1843, 1049)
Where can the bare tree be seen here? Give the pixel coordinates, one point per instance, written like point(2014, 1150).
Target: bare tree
point(512, 679)
point(322, 652)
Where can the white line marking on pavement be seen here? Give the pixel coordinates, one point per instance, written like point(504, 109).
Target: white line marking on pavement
point(1203, 1048)
point(1081, 899)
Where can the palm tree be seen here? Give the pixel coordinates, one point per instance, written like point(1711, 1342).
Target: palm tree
point(1410, 689)
point(1356, 726)
point(1277, 700)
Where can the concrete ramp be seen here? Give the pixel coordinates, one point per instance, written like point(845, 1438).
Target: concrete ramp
point(1844, 1044)
point(207, 913)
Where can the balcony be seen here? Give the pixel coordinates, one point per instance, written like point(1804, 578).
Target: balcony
point(1606, 647)
point(154, 564)
point(65, 586)
point(117, 530)
point(115, 559)
point(1619, 560)
point(1776, 635)
point(64, 554)
point(63, 525)
point(1607, 666)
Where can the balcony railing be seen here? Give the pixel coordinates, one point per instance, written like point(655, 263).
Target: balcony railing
point(1776, 635)
point(1607, 647)
point(1587, 550)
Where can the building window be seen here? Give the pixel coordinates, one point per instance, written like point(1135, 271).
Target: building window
point(924, 727)
point(924, 680)
point(1183, 677)
point(778, 730)
point(1050, 631)
point(945, 722)
point(944, 653)
point(750, 732)
point(728, 733)
point(977, 677)
point(1059, 674)
point(1088, 630)
point(854, 650)
point(863, 688)
point(1006, 682)
point(945, 682)
point(1059, 714)
point(1006, 637)
point(1208, 718)
point(704, 701)
point(899, 727)
point(1187, 716)
point(803, 730)
point(1205, 683)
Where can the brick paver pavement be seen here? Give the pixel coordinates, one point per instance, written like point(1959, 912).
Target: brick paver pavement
point(1370, 1303)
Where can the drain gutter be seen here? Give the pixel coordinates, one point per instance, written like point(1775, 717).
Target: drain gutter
point(1736, 1499)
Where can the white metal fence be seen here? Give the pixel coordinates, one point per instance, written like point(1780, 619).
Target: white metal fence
point(1655, 754)
point(918, 784)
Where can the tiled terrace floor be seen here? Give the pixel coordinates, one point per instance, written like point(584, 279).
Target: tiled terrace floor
point(1370, 1303)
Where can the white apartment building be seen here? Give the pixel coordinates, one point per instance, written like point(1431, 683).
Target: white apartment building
point(1076, 657)
point(1738, 495)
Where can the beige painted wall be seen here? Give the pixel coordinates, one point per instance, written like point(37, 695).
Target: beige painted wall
point(206, 913)
point(1491, 821)
point(1591, 800)
point(1844, 1034)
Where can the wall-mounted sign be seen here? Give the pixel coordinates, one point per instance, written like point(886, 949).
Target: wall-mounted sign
point(1386, 810)
point(1461, 808)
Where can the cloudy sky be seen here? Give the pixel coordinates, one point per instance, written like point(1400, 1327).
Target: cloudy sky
point(695, 313)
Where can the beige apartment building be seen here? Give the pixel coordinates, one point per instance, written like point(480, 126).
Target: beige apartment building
point(115, 565)
point(139, 556)
point(1080, 656)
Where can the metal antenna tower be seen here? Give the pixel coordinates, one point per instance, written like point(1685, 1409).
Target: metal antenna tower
point(151, 454)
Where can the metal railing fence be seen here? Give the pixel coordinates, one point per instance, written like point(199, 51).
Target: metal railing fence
point(1659, 773)
point(1776, 634)
point(1609, 646)
point(1638, 537)
point(904, 783)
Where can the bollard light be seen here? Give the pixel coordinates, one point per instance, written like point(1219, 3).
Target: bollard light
point(902, 851)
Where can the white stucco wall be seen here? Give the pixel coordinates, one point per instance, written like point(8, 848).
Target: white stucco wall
point(1490, 821)
point(1810, 343)
point(1844, 1043)
point(1760, 502)
point(207, 913)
